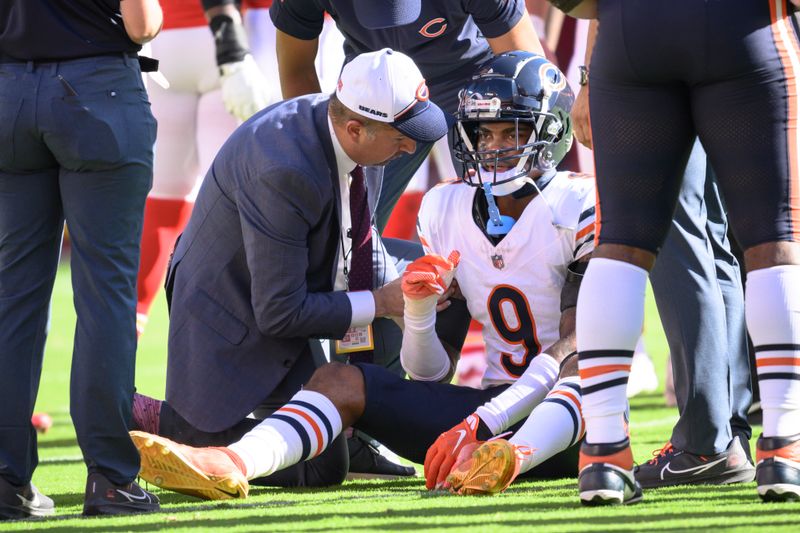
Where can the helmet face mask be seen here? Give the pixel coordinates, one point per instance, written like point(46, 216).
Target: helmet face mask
point(528, 94)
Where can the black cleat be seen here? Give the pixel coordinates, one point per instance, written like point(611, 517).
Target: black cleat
point(105, 498)
point(23, 502)
point(671, 467)
point(778, 468)
point(366, 462)
point(606, 474)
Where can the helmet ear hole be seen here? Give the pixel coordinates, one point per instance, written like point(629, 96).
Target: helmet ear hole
point(554, 128)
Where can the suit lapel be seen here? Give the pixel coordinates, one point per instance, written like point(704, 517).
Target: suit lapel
point(321, 124)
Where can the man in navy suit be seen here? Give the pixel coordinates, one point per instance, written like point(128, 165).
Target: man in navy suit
point(264, 263)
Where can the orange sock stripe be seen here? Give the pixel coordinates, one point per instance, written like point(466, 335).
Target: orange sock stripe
point(570, 396)
point(622, 459)
point(777, 361)
point(595, 371)
point(311, 422)
point(789, 52)
point(791, 452)
point(598, 219)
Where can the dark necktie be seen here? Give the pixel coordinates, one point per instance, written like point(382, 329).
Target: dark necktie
point(360, 277)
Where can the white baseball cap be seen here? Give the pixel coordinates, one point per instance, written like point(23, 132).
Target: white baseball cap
point(387, 86)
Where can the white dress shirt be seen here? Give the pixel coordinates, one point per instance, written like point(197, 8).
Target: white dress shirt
point(362, 302)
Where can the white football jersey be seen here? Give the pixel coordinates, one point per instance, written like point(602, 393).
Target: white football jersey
point(513, 289)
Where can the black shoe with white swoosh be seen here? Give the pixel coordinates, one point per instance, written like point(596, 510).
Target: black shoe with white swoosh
point(679, 467)
point(106, 498)
point(23, 502)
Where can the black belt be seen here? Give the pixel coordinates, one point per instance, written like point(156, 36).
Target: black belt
point(146, 64)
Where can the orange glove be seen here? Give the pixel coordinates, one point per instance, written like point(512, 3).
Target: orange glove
point(444, 452)
point(430, 274)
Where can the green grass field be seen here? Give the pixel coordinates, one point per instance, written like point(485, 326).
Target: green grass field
point(378, 505)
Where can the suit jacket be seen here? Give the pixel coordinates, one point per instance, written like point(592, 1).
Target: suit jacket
point(252, 275)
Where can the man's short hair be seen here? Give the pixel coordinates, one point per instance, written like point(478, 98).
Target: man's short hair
point(340, 114)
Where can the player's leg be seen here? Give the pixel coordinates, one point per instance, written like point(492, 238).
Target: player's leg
point(748, 124)
point(552, 427)
point(176, 169)
point(298, 431)
point(642, 138)
point(397, 414)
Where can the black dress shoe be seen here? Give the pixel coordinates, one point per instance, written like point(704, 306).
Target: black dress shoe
point(366, 462)
point(105, 498)
point(23, 502)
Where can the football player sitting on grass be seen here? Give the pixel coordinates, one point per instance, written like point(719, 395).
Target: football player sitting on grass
point(517, 236)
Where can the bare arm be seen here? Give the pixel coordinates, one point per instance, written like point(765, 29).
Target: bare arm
point(296, 65)
point(566, 344)
point(580, 110)
point(521, 37)
point(142, 19)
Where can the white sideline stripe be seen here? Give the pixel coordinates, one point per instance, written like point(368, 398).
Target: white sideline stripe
point(657, 422)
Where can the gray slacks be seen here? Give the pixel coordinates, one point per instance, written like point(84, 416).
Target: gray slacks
point(698, 291)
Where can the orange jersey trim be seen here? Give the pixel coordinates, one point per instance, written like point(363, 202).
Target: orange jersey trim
point(789, 52)
point(584, 232)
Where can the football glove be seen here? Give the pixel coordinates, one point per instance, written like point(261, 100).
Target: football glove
point(245, 89)
point(429, 275)
point(444, 452)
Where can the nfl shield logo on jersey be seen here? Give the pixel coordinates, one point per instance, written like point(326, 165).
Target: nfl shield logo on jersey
point(497, 261)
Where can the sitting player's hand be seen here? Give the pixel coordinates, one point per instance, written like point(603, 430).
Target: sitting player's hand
point(444, 452)
point(429, 275)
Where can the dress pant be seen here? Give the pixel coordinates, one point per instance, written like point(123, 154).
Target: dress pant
point(698, 290)
point(76, 144)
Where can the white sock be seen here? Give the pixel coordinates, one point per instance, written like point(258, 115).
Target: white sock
point(772, 310)
point(517, 401)
point(610, 315)
point(553, 426)
point(298, 431)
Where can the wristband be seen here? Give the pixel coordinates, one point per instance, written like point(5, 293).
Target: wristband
point(230, 39)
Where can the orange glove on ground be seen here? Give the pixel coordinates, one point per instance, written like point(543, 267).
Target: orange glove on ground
point(444, 452)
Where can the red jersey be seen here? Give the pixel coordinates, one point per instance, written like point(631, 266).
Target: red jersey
point(183, 14)
point(189, 13)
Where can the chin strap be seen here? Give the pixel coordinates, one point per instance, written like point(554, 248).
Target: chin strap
point(497, 224)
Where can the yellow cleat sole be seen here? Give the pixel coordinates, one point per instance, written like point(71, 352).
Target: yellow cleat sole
point(490, 470)
point(165, 466)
